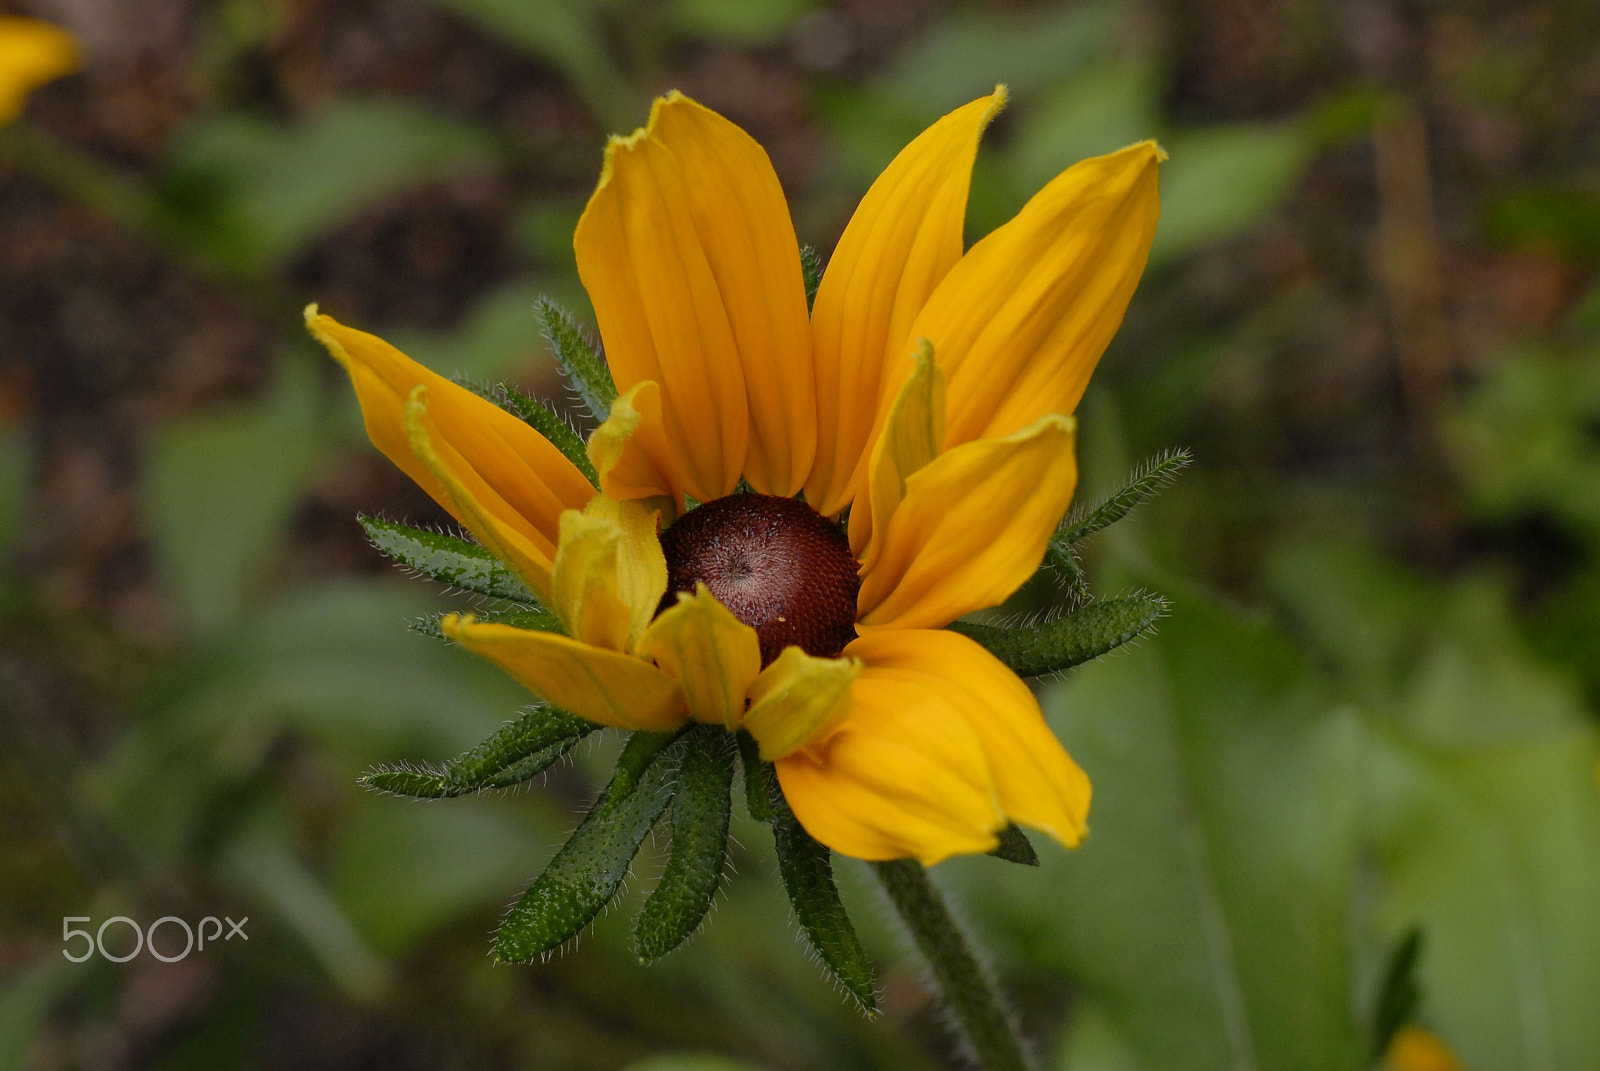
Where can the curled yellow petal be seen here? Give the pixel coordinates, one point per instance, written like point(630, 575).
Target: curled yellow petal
point(606, 687)
point(609, 573)
point(903, 776)
point(1037, 782)
point(32, 53)
point(625, 469)
point(458, 487)
point(798, 700)
point(902, 240)
point(515, 475)
point(911, 438)
point(972, 527)
point(1021, 321)
point(713, 654)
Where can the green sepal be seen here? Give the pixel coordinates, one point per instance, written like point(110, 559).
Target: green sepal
point(806, 867)
point(520, 750)
point(532, 620)
point(448, 560)
point(1015, 847)
point(1063, 559)
point(757, 778)
point(541, 419)
point(1070, 640)
point(1147, 481)
point(1400, 994)
point(811, 272)
point(589, 869)
point(701, 807)
point(585, 370)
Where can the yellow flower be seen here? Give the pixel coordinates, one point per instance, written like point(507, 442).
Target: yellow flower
point(31, 54)
point(1415, 1049)
point(930, 392)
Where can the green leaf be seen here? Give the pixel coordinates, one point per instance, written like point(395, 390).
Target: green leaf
point(1399, 997)
point(807, 871)
point(1151, 478)
point(1015, 847)
point(534, 620)
point(1070, 640)
point(519, 751)
point(589, 869)
point(448, 560)
point(749, 23)
point(701, 809)
point(585, 370)
point(758, 778)
point(552, 427)
point(811, 272)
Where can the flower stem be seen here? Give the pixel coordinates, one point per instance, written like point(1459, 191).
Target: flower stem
point(965, 983)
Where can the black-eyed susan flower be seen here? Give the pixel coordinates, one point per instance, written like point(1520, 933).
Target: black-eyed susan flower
point(32, 53)
point(791, 507)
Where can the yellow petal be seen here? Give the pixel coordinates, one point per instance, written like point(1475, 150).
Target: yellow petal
point(625, 470)
point(1037, 782)
point(911, 438)
point(714, 655)
point(799, 700)
point(1021, 321)
point(742, 220)
point(1416, 1049)
point(32, 53)
point(904, 237)
point(972, 527)
point(903, 776)
point(604, 686)
point(532, 482)
point(691, 263)
point(461, 490)
point(609, 573)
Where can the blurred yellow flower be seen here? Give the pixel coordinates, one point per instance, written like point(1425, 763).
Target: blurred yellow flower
point(929, 392)
point(31, 54)
point(1415, 1049)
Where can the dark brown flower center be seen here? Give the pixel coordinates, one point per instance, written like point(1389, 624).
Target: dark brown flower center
point(775, 563)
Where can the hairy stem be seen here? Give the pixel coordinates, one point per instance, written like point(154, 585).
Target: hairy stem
point(963, 980)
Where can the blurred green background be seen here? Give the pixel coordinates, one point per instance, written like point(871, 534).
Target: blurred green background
point(1371, 313)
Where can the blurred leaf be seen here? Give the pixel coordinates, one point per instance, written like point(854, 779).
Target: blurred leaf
point(1222, 181)
point(565, 34)
point(26, 999)
point(1565, 221)
point(807, 871)
point(220, 489)
point(448, 559)
point(701, 807)
point(499, 337)
point(589, 869)
point(748, 23)
point(1101, 110)
point(1207, 914)
point(688, 1062)
point(250, 190)
point(1014, 847)
point(518, 751)
point(1399, 996)
point(1071, 639)
point(15, 468)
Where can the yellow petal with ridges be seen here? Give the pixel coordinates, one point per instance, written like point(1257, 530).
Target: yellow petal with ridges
point(713, 654)
point(607, 687)
point(457, 486)
point(903, 238)
point(609, 573)
point(1037, 782)
point(742, 219)
point(911, 438)
point(32, 53)
point(799, 700)
point(532, 482)
point(972, 527)
point(625, 469)
point(1021, 321)
point(903, 776)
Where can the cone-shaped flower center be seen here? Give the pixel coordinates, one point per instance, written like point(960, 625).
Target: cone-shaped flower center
point(775, 563)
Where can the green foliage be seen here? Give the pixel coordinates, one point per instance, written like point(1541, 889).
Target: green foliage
point(1070, 640)
point(589, 869)
point(739, 22)
point(448, 560)
point(521, 750)
point(536, 620)
point(552, 427)
point(759, 780)
point(1014, 847)
point(701, 809)
point(810, 272)
point(585, 370)
point(1150, 479)
point(1399, 996)
point(807, 871)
